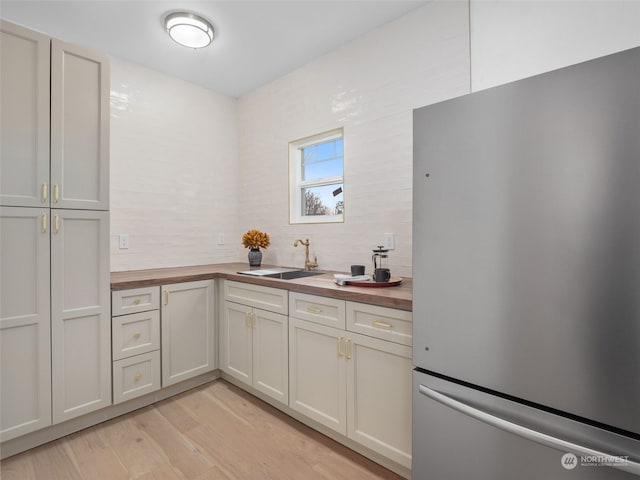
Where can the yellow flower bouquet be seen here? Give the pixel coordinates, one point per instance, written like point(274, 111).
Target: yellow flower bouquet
point(255, 239)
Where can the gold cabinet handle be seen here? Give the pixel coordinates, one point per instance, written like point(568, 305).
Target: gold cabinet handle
point(44, 223)
point(347, 349)
point(314, 309)
point(377, 323)
point(166, 297)
point(136, 301)
point(340, 347)
point(247, 319)
point(57, 224)
point(137, 377)
point(56, 193)
point(45, 193)
point(253, 320)
point(136, 335)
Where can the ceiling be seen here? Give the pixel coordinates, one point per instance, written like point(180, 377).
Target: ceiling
point(256, 41)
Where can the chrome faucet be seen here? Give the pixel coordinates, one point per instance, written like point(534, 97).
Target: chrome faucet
point(308, 264)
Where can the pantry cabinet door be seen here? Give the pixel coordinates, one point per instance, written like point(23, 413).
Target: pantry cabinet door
point(24, 109)
point(187, 330)
point(25, 369)
point(237, 350)
point(79, 128)
point(271, 354)
point(81, 312)
point(317, 381)
point(379, 396)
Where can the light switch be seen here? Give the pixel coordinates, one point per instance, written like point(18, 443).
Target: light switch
point(389, 241)
point(123, 239)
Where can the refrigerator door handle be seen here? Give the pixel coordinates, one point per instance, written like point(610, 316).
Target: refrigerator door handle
point(533, 435)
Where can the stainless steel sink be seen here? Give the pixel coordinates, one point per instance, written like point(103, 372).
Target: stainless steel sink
point(293, 275)
point(281, 273)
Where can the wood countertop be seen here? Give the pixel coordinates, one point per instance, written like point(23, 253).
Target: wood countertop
point(399, 297)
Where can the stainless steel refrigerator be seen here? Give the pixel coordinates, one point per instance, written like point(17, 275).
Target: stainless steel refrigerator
point(526, 264)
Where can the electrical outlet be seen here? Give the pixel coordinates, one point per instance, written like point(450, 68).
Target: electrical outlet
point(123, 241)
point(221, 239)
point(389, 241)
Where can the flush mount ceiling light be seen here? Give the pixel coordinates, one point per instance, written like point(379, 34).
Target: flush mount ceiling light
point(189, 29)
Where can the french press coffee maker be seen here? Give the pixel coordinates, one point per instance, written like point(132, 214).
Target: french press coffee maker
point(381, 272)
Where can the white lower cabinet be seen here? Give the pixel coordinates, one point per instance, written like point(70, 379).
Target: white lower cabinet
point(255, 349)
point(135, 376)
point(357, 385)
point(317, 383)
point(80, 313)
point(54, 317)
point(25, 342)
point(254, 346)
point(135, 344)
point(187, 330)
point(379, 396)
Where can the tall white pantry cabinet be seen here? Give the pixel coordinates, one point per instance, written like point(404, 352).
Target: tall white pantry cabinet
point(54, 232)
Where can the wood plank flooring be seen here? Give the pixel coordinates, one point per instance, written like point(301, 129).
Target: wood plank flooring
point(214, 432)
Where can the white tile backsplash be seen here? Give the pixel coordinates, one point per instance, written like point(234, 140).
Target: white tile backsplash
point(174, 171)
point(369, 87)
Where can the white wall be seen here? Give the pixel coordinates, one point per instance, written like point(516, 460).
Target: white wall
point(174, 171)
point(369, 87)
point(511, 40)
point(183, 168)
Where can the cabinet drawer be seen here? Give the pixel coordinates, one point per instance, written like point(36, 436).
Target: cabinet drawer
point(135, 300)
point(135, 334)
point(136, 376)
point(380, 322)
point(266, 298)
point(323, 310)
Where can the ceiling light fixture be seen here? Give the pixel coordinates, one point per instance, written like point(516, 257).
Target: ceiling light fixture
point(189, 29)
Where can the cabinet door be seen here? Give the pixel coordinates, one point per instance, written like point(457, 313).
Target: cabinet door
point(80, 316)
point(25, 368)
point(24, 109)
point(188, 338)
point(271, 354)
point(379, 396)
point(317, 382)
point(237, 343)
point(79, 128)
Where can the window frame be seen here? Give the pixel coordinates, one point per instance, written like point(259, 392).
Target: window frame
point(296, 185)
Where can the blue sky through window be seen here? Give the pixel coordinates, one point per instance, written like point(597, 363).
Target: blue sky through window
point(324, 160)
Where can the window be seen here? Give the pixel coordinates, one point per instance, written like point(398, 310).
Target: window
point(316, 167)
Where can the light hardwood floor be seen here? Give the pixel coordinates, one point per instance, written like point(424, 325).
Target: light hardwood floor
point(215, 432)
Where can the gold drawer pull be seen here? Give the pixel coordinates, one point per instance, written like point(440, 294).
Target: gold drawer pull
point(137, 377)
point(136, 301)
point(166, 297)
point(57, 224)
point(347, 349)
point(340, 345)
point(314, 309)
point(44, 223)
point(136, 335)
point(376, 323)
point(56, 193)
point(45, 194)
